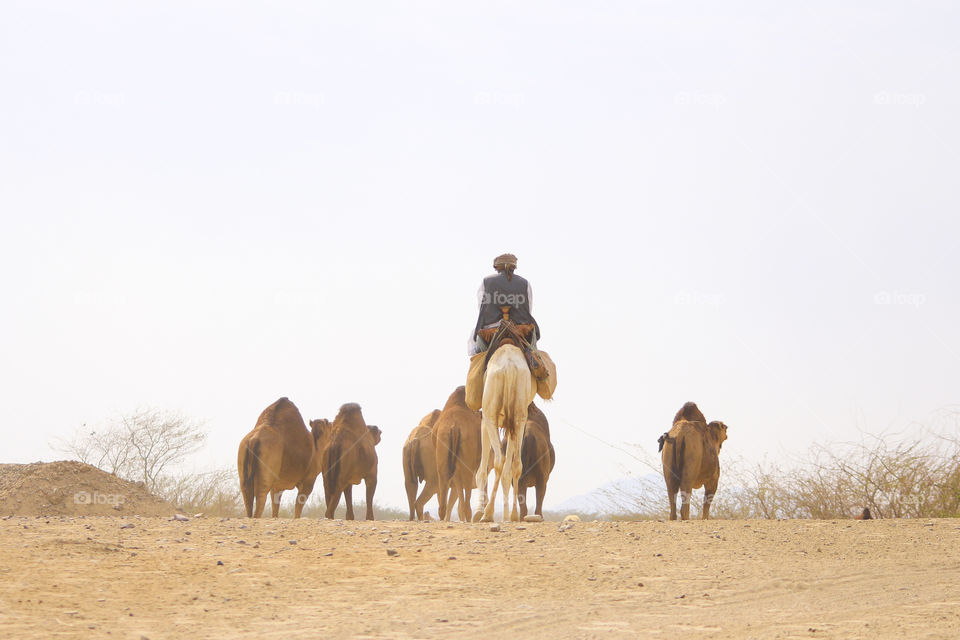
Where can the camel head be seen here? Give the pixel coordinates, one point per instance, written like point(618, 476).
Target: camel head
point(318, 428)
point(718, 431)
point(375, 432)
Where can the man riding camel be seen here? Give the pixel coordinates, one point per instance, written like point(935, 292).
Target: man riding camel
point(503, 289)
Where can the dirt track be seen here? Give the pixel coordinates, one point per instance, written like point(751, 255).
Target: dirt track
point(720, 579)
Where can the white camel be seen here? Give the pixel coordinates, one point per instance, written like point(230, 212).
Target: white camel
point(508, 389)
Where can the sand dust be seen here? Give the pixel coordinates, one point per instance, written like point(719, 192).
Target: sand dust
point(100, 577)
point(73, 488)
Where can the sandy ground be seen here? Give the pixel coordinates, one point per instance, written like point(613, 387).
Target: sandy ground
point(92, 578)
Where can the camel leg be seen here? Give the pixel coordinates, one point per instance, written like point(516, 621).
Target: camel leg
point(411, 488)
point(513, 467)
point(483, 498)
point(505, 482)
point(370, 484)
point(333, 501)
point(685, 502)
point(467, 511)
point(260, 502)
point(348, 498)
point(541, 492)
point(275, 502)
point(449, 503)
point(489, 435)
point(302, 495)
point(248, 499)
point(429, 490)
point(442, 496)
point(522, 499)
point(483, 471)
point(673, 485)
point(708, 492)
point(518, 463)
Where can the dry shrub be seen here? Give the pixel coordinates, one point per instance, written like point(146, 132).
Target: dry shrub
point(214, 493)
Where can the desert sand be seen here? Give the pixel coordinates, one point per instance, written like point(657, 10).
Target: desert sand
point(135, 577)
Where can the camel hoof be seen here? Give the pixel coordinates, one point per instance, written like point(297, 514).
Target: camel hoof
point(485, 518)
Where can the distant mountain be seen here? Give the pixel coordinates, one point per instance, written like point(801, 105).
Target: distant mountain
point(623, 495)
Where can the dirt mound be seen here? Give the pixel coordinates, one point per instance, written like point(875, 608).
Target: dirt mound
point(69, 488)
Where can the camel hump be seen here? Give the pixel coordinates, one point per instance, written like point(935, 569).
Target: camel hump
point(689, 411)
point(349, 407)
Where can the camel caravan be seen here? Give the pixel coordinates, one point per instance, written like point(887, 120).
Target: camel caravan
point(489, 424)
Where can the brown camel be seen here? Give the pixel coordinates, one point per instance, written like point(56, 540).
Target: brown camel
point(691, 459)
point(279, 454)
point(456, 439)
point(538, 458)
point(348, 458)
point(420, 465)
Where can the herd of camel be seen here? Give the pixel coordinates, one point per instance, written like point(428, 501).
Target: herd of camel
point(451, 452)
point(442, 453)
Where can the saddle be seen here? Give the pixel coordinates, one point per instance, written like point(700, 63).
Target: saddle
point(518, 336)
point(526, 330)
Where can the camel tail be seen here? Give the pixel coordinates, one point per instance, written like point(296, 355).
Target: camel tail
point(510, 401)
point(678, 458)
point(453, 450)
point(251, 459)
point(331, 476)
point(410, 463)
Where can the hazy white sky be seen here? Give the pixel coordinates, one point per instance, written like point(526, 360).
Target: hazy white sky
point(206, 206)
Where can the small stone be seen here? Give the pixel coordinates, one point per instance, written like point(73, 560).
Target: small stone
point(530, 540)
point(219, 563)
point(392, 552)
point(452, 558)
point(494, 528)
point(180, 518)
point(327, 555)
point(292, 541)
point(127, 526)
